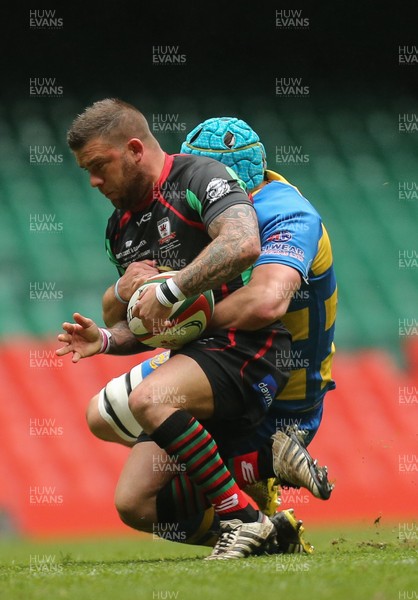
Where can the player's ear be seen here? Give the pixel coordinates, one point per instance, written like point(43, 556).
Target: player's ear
point(136, 147)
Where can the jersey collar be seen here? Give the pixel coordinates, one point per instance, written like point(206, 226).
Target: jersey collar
point(273, 176)
point(168, 163)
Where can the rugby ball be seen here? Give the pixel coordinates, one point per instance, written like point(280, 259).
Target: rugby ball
point(191, 317)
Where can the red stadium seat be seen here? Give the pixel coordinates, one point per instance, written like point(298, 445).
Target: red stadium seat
point(58, 479)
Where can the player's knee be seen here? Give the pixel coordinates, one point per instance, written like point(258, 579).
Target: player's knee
point(95, 421)
point(143, 400)
point(135, 511)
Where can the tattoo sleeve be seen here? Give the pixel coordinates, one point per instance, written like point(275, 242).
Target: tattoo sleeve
point(123, 341)
point(235, 246)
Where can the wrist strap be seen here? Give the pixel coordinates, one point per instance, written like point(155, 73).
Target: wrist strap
point(175, 289)
point(117, 295)
point(161, 297)
point(168, 293)
point(106, 335)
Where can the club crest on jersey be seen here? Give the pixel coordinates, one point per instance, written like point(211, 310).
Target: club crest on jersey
point(217, 188)
point(164, 227)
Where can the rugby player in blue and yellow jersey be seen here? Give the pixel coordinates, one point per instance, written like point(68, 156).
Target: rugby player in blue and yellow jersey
point(292, 236)
point(295, 260)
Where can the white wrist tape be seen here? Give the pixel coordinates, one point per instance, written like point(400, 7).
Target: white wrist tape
point(117, 295)
point(168, 293)
point(106, 335)
point(162, 298)
point(175, 289)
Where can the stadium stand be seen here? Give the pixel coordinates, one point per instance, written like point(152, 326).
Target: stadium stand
point(52, 234)
point(58, 479)
point(350, 176)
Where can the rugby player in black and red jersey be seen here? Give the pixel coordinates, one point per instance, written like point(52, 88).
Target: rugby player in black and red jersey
point(189, 209)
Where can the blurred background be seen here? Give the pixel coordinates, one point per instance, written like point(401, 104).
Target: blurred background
point(332, 92)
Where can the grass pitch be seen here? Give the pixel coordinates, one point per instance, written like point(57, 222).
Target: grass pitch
point(367, 564)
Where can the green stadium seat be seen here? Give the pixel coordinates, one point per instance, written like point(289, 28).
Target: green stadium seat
point(357, 160)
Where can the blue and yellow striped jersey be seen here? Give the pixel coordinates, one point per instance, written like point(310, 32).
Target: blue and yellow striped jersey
point(295, 236)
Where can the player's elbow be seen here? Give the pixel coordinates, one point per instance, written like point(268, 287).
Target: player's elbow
point(268, 309)
point(250, 250)
point(268, 314)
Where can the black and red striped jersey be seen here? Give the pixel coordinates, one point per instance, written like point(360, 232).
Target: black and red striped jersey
point(172, 228)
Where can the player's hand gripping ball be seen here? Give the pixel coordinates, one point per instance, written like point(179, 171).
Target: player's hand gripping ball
point(190, 318)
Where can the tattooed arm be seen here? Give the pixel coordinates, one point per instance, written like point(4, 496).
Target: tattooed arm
point(123, 341)
point(235, 246)
point(84, 338)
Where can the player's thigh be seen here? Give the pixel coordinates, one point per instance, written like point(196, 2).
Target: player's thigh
point(180, 383)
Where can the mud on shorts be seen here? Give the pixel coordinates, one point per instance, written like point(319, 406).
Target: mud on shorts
point(243, 371)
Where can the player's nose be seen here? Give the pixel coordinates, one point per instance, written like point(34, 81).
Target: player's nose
point(95, 181)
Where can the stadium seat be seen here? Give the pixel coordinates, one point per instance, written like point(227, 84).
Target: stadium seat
point(357, 163)
point(352, 176)
point(367, 430)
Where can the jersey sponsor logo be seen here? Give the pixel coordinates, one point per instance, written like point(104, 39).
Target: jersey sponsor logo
point(130, 250)
point(144, 218)
point(281, 236)
point(167, 239)
point(283, 250)
point(158, 360)
point(266, 389)
point(247, 470)
point(217, 188)
point(227, 503)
